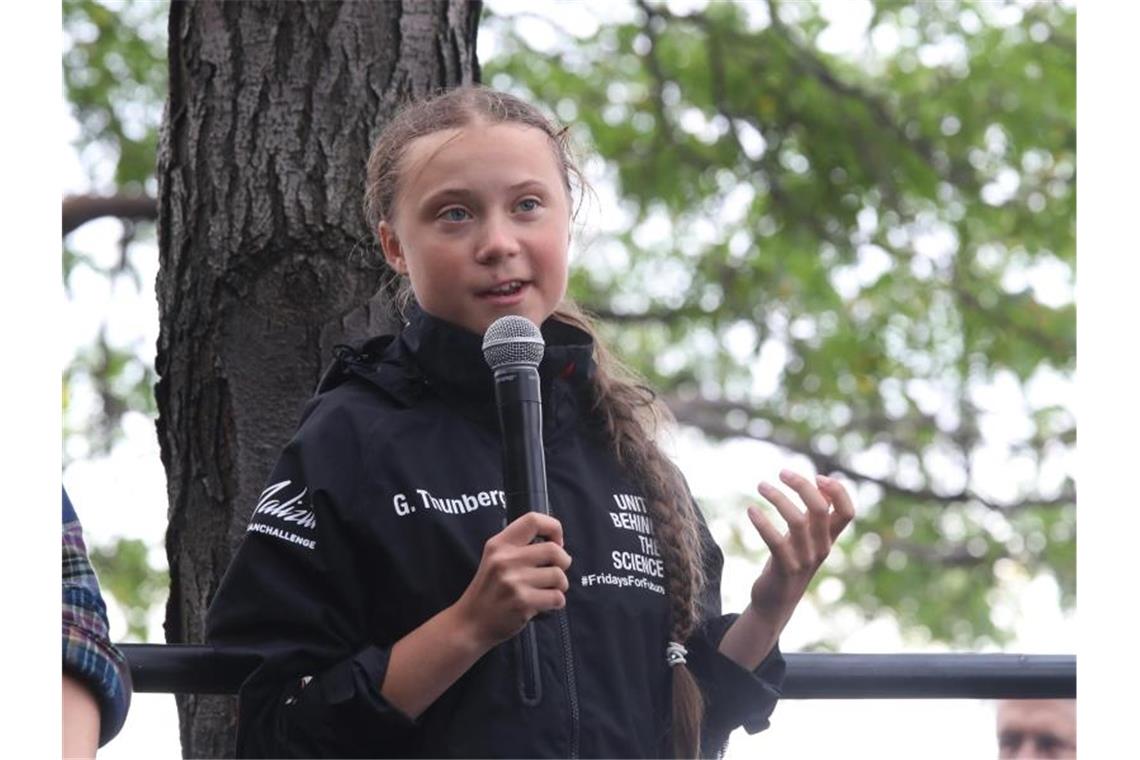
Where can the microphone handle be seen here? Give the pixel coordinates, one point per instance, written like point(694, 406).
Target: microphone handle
point(519, 399)
point(524, 459)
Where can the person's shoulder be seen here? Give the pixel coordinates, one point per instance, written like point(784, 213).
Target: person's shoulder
point(350, 410)
point(363, 399)
point(356, 394)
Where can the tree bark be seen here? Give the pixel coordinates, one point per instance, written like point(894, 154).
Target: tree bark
point(265, 259)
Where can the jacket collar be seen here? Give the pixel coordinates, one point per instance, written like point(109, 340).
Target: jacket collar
point(450, 357)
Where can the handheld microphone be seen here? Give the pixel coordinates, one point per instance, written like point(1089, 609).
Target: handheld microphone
point(513, 348)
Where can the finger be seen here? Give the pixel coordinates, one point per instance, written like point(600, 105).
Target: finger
point(541, 600)
point(544, 554)
point(818, 508)
point(793, 515)
point(530, 526)
point(545, 577)
point(841, 500)
point(772, 536)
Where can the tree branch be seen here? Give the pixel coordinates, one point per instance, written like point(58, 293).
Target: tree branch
point(709, 417)
point(662, 316)
point(657, 73)
point(809, 63)
point(80, 209)
point(957, 555)
point(1055, 347)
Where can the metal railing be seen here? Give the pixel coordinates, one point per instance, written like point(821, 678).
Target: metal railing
point(184, 669)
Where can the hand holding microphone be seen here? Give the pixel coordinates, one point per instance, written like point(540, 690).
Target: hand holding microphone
point(517, 579)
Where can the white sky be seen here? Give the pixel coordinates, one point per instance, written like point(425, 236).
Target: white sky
point(125, 494)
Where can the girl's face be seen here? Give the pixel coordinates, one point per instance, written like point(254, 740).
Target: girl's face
point(481, 224)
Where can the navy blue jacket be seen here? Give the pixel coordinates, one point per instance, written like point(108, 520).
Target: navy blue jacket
point(374, 520)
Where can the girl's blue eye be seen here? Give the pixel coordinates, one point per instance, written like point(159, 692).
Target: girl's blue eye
point(454, 214)
point(529, 204)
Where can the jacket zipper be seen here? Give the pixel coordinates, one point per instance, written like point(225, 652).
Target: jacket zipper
point(526, 655)
point(564, 631)
point(571, 686)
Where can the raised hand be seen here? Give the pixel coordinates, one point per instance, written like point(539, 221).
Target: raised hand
point(798, 553)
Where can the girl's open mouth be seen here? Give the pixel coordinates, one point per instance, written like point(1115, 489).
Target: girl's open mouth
point(506, 292)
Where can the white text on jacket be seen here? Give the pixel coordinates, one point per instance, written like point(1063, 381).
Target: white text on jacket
point(284, 509)
point(450, 505)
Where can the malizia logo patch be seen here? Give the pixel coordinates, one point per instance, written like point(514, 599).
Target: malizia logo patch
point(276, 502)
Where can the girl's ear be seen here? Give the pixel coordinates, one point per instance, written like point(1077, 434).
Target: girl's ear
point(393, 252)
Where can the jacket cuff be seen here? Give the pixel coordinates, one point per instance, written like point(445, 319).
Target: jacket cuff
point(735, 696)
point(361, 677)
point(353, 686)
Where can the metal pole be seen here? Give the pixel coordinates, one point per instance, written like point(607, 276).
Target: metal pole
point(930, 676)
point(185, 669)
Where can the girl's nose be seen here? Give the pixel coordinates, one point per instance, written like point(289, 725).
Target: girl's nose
point(498, 240)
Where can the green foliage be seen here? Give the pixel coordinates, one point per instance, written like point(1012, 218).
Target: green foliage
point(136, 586)
point(897, 224)
point(114, 65)
point(114, 68)
point(120, 381)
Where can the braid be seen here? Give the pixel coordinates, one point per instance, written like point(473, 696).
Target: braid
point(630, 415)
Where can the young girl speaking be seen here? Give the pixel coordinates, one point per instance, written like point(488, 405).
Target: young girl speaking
point(379, 581)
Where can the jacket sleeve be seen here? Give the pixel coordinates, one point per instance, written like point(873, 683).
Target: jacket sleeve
point(295, 597)
point(88, 654)
point(733, 696)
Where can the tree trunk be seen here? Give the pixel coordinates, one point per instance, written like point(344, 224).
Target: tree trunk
point(265, 259)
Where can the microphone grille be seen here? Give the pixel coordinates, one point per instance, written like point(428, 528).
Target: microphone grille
point(512, 340)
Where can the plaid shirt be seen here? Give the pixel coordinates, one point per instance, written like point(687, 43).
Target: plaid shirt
point(88, 653)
